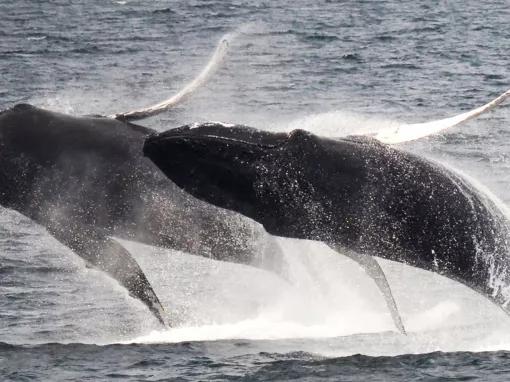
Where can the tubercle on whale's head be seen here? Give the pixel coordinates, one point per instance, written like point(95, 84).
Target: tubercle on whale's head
point(225, 165)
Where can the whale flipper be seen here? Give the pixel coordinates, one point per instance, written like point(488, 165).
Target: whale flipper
point(205, 74)
point(374, 270)
point(106, 254)
point(408, 132)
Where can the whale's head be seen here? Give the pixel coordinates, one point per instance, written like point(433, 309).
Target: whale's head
point(277, 179)
point(217, 163)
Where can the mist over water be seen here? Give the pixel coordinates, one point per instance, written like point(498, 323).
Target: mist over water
point(333, 69)
point(333, 300)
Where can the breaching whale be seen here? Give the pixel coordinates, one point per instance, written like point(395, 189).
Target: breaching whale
point(362, 197)
point(85, 180)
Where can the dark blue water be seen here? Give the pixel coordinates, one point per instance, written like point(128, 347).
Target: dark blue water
point(198, 361)
point(327, 66)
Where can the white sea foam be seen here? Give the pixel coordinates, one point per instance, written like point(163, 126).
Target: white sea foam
point(329, 300)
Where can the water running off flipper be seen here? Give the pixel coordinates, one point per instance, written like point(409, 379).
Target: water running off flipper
point(408, 132)
point(374, 270)
point(210, 68)
point(107, 255)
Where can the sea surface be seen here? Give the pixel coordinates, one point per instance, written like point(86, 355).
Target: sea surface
point(333, 67)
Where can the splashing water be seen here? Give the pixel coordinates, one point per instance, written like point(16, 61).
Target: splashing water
point(413, 61)
point(339, 123)
point(328, 297)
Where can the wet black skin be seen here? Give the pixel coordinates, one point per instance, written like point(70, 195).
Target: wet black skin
point(85, 179)
point(354, 192)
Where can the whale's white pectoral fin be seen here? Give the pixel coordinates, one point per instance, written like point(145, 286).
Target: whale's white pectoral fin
point(374, 270)
point(205, 74)
point(408, 132)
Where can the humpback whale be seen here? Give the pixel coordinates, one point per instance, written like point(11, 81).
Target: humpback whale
point(362, 197)
point(85, 180)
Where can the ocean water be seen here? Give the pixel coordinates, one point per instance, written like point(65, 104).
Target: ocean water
point(331, 67)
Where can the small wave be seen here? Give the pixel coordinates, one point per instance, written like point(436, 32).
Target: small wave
point(386, 38)
point(7, 346)
point(163, 11)
point(352, 57)
point(86, 49)
point(400, 66)
point(280, 32)
point(37, 38)
point(320, 37)
point(428, 366)
point(433, 28)
point(494, 77)
point(308, 36)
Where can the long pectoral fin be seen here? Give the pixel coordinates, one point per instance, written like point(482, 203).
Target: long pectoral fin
point(105, 254)
point(411, 131)
point(374, 270)
point(210, 68)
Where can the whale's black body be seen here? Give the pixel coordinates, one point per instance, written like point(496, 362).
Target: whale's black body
point(352, 193)
point(85, 179)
